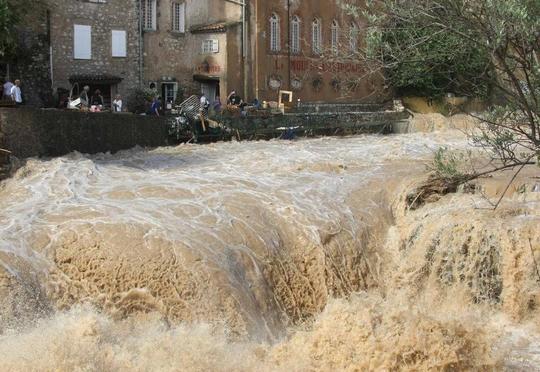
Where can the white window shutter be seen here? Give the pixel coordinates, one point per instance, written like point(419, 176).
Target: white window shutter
point(153, 17)
point(182, 20)
point(82, 42)
point(215, 46)
point(119, 48)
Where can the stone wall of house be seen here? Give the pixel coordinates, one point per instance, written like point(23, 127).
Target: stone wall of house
point(31, 132)
point(177, 57)
point(103, 16)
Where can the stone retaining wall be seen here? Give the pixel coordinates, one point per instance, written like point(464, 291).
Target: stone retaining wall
point(29, 132)
point(308, 107)
point(316, 124)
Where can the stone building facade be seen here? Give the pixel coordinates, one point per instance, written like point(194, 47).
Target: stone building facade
point(95, 43)
point(305, 46)
point(191, 46)
point(184, 47)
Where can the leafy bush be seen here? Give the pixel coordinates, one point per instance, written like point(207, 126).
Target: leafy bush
point(138, 101)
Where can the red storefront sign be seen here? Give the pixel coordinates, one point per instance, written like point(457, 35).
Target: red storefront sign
point(302, 65)
point(208, 69)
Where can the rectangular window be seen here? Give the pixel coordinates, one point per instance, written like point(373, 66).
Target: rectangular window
point(179, 17)
point(210, 46)
point(82, 42)
point(148, 9)
point(119, 48)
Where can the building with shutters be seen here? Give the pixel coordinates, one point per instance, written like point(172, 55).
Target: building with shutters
point(184, 47)
point(78, 42)
point(191, 46)
point(95, 43)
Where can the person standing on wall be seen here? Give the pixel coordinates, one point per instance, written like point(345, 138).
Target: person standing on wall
point(85, 100)
point(7, 89)
point(97, 101)
point(234, 99)
point(203, 111)
point(205, 104)
point(117, 103)
point(16, 94)
point(156, 105)
point(216, 105)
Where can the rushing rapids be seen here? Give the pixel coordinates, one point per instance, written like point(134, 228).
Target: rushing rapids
point(266, 255)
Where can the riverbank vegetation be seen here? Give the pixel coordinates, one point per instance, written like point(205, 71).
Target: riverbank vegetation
point(11, 12)
point(487, 49)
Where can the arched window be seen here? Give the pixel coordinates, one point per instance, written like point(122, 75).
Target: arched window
point(353, 37)
point(295, 35)
point(316, 32)
point(275, 33)
point(335, 36)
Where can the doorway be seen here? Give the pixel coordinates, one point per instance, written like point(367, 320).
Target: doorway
point(168, 94)
point(210, 89)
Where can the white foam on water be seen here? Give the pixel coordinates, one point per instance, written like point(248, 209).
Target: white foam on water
point(234, 245)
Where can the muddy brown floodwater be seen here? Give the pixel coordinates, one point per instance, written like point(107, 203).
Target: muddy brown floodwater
point(264, 256)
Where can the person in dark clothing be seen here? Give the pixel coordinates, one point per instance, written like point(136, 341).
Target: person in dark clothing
point(216, 105)
point(234, 99)
point(97, 99)
point(256, 104)
point(63, 98)
point(156, 105)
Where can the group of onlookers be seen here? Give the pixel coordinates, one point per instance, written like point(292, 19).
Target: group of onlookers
point(96, 103)
point(233, 99)
point(11, 92)
point(234, 102)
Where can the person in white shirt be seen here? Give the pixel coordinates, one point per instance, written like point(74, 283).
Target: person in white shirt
point(117, 104)
point(204, 102)
point(7, 89)
point(16, 93)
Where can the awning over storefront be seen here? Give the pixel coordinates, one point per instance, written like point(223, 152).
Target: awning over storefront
point(213, 28)
point(205, 78)
point(95, 79)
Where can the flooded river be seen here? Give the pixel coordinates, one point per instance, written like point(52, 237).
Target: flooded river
point(263, 255)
